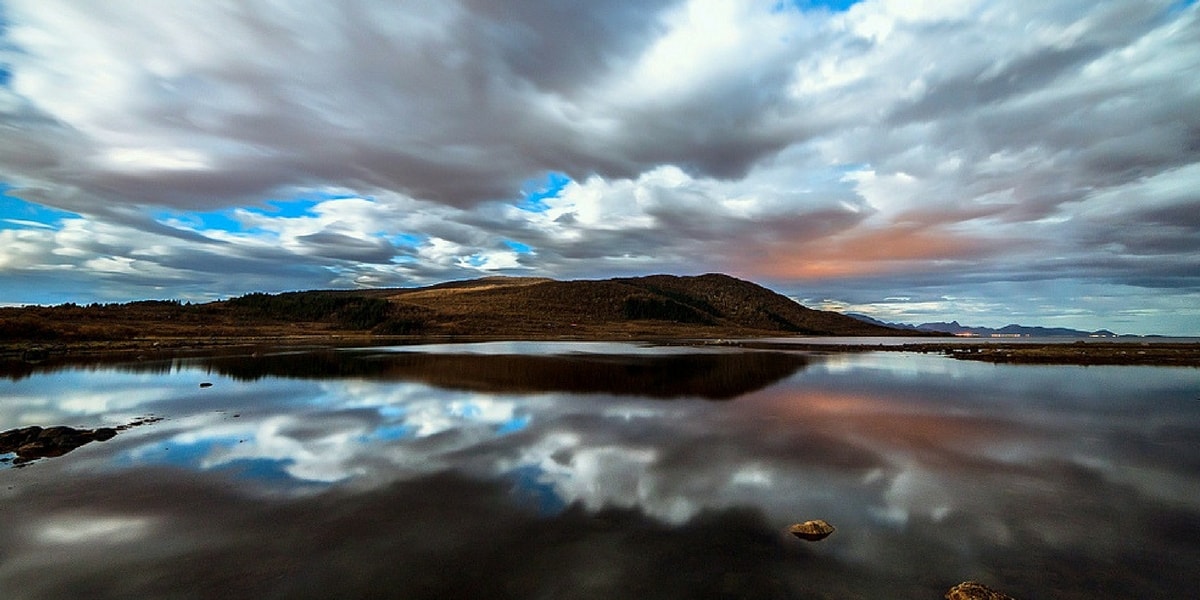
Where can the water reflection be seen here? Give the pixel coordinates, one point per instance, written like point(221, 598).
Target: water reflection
point(639, 371)
point(562, 474)
point(716, 376)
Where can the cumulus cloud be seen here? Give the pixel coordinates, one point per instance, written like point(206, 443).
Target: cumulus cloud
point(818, 149)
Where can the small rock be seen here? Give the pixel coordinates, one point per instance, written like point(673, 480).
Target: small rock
point(206, 384)
point(973, 590)
point(811, 531)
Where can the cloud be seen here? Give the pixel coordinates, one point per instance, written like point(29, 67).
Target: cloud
point(866, 252)
point(969, 138)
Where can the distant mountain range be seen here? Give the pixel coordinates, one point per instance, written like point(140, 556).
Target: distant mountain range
point(955, 328)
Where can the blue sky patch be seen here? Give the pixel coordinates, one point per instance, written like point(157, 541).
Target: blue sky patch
point(221, 220)
point(407, 240)
point(808, 5)
point(534, 192)
point(227, 220)
point(518, 247)
point(203, 221)
point(297, 207)
point(16, 213)
point(1180, 6)
point(5, 75)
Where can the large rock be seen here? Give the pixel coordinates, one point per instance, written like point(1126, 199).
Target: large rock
point(973, 590)
point(32, 443)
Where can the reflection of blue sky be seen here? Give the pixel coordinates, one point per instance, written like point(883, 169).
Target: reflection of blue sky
point(515, 424)
point(391, 433)
point(532, 488)
point(180, 453)
point(304, 431)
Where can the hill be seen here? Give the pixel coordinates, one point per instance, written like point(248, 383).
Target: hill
point(657, 306)
point(700, 306)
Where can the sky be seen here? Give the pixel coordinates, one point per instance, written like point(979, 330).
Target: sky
point(1033, 162)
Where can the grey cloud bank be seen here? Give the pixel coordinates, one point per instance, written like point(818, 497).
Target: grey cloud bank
point(988, 161)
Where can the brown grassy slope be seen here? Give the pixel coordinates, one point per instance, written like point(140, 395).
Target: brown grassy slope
point(669, 304)
point(496, 307)
point(751, 305)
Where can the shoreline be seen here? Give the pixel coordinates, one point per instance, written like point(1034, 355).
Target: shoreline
point(1051, 352)
point(1064, 352)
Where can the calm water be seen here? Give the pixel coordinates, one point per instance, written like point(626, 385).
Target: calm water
point(603, 471)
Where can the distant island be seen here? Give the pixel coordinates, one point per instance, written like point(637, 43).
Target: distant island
point(1008, 331)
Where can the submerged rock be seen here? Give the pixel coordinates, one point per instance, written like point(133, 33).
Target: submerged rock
point(973, 590)
point(35, 355)
point(812, 531)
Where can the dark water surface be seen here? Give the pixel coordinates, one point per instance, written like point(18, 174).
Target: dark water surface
point(543, 470)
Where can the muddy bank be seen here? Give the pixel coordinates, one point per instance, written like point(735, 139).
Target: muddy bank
point(1160, 354)
point(1076, 353)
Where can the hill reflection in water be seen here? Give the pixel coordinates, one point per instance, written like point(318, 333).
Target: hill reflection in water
point(715, 376)
point(683, 372)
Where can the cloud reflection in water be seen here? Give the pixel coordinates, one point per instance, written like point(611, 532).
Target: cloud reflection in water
point(933, 470)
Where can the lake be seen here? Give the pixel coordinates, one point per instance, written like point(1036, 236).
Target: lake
point(601, 470)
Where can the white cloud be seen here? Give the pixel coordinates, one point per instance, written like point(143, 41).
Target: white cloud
point(701, 128)
point(142, 159)
point(877, 20)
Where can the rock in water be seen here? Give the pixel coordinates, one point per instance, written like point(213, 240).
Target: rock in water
point(973, 590)
point(812, 531)
point(32, 443)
